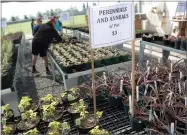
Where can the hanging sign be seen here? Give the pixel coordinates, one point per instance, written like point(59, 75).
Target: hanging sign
point(111, 25)
point(65, 16)
point(182, 6)
point(4, 24)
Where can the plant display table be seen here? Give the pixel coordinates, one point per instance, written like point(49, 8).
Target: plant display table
point(144, 43)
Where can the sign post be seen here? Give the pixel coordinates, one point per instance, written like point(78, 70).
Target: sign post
point(65, 16)
point(110, 26)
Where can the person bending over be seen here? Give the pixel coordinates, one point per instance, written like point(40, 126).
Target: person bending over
point(41, 40)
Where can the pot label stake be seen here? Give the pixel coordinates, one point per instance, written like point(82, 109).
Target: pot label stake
point(137, 93)
point(121, 86)
point(185, 101)
point(172, 128)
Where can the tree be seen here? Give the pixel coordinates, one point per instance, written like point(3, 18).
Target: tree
point(84, 8)
point(17, 18)
point(52, 13)
point(39, 14)
point(87, 5)
point(4, 19)
point(94, 4)
point(25, 17)
point(58, 11)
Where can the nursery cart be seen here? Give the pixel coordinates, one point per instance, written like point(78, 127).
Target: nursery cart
point(71, 80)
point(144, 43)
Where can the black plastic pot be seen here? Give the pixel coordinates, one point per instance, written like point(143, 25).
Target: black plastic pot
point(99, 99)
point(126, 107)
point(138, 35)
point(115, 60)
point(166, 42)
point(87, 65)
point(124, 58)
point(144, 38)
point(177, 44)
point(67, 69)
point(171, 44)
point(5, 80)
point(155, 38)
point(183, 45)
point(160, 38)
point(137, 125)
point(114, 101)
point(84, 130)
point(74, 116)
point(106, 62)
point(97, 63)
point(149, 39)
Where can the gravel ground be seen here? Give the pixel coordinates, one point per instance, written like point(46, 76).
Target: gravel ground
point(32, 85)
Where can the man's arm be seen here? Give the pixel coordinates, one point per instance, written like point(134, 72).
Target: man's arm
point(56, 35)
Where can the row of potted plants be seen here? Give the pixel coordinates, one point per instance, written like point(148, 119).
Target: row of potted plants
point(50, 109)
point(160, 95)
point(179, 43)
point(8, 61)
point(14, 37)
point(73, 58)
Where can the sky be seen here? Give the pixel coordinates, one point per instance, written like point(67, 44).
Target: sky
point(31, 8)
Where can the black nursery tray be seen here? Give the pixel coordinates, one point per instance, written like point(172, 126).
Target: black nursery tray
point(114, 120)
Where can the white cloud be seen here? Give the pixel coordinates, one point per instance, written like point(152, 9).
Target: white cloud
point(31, 8)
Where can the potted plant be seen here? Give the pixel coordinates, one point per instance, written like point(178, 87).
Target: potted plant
point(47, 100)
point(75, 108)
point(32, 132)
point(7, 114)
point(51, 112)
point(97, 131)
point(29, 120)
point(70, 96)
point(8, 128)
point(87, 121)
point(57, 128)
point(26, 104)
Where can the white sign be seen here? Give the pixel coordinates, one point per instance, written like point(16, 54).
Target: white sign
point(65, 16)
point(3, 24)
point(111, 25)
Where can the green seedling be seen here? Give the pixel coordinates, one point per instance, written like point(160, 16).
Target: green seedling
point(6, 111)
point(97, 131)
point(32, 132)
point(25, 103)
point(29, 115)
point(7, 130)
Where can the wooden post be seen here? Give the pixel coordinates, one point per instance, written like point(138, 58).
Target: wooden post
point(133, 69)
point(92, 63)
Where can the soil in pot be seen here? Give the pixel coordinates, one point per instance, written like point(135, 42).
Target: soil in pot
point(11, 125)
point(57, 115)
point(177, 44)
point(87, 124)
point(27, 125)
point(73, 113)
point(115, 101)
point(10, 119)
point(183, 45)
point(137, 125)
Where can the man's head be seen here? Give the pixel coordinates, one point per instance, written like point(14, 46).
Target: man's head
point(38, 21)
point(53, 20)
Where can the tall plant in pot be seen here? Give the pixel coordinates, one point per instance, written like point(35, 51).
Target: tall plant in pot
point(7, 114)
point(87, 121)
point(29, 120)
point(26, 104)
point(57, 128)
point(52, 112)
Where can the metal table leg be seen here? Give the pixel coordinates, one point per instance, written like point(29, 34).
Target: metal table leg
point(142, 48)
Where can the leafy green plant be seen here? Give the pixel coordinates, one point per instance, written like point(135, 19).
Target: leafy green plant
point(7, 130)
point(48, 111)
point(6, 111)
point(78, 107)
point(29, 115)
point(25, 103)
point(32, 132)
point(97, 131)
point(49, 99)
point(56, 127)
